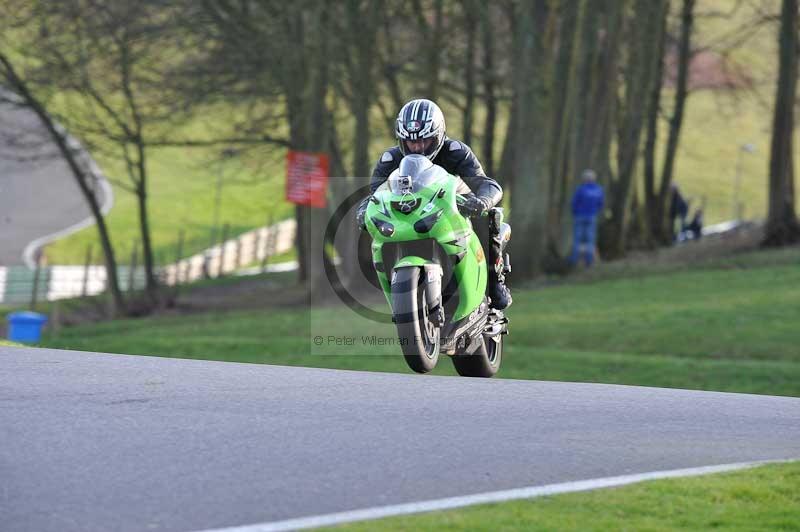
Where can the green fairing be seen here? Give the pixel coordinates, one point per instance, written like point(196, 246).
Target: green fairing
point(470, 272)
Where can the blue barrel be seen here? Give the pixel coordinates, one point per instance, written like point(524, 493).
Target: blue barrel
point(25, 326)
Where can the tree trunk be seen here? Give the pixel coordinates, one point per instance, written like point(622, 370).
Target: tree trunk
point(362, 24)
point(471, 34)
point(563, 124)
point(490, 98)
point(664, 231)
point(308, 115)
point(527, 145)
point(654, 211)
point(782, 225)
point(81, 178)
point(639, 77)
point(602, 108)
point(434, 50)
point(390, 65)
point(345, 197)
point(151, 283)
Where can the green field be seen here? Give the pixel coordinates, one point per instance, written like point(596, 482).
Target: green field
point(730, 327)
point(717, 123)
point(767, 498)
point(183, 184)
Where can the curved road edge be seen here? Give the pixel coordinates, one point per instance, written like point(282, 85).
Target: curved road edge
point(450, 503)
point(29, 254)
point(96, 441)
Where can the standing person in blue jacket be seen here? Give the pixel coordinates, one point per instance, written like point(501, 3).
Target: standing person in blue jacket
point(587, 202)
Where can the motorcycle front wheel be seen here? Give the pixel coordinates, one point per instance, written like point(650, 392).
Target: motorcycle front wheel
point(418, 336)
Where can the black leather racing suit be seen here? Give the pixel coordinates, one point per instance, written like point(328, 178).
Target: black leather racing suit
point(455, 157)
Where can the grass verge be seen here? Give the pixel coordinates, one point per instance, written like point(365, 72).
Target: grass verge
point(727, 330)
point(765, 498)
point(6, 343)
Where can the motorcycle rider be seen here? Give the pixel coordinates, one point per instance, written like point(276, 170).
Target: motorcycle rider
point(420, 130)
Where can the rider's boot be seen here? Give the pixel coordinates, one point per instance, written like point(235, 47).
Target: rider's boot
point(498, 291)
point(499, 266)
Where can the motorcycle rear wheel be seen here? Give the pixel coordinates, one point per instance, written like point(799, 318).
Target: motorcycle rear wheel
point(485, 362)
point(419, 338)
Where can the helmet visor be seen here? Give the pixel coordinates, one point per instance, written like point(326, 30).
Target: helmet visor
point(419, 147)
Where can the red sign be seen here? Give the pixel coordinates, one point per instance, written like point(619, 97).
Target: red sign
point(306, 178)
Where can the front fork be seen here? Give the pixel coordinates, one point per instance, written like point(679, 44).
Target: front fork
point(433, 293)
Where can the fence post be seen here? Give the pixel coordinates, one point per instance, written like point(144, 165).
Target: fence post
point(207, 254)
point(272, 242)
point(55, 318)
point(87, 264)
point(36, 274)
point(47, 281)
point(238, 262)
point(260, 241)
point(178, 255)
point(267, 233)
point(267, 239)
point(187, 270)
point(221, 270)
point(133, 266)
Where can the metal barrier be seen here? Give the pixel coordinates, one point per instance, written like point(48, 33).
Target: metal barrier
point(22, 285)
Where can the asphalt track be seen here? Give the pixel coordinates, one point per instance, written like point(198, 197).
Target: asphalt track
point(38, 195)
point(111, 442)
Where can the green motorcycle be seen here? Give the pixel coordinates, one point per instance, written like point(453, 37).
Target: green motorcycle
point(433, 271)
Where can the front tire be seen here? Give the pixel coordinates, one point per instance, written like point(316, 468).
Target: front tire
point(419, 338)
point(484, 362)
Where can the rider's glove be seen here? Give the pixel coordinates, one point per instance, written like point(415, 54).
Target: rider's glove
point(361, 214)
point(473, 206)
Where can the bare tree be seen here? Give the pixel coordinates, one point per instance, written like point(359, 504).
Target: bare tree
point(429, 19)
point(489, 82)
point(565, 117)
point(353, 55)
point(639, 76)
point(526, 154)
point(655, 211)
point(782, 225)
point(12, 78)
point(470, 20)
point(657, 196)
point(108, 61)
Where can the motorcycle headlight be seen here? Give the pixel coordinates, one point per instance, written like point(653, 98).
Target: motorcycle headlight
point(384, 227)
point(426, 224)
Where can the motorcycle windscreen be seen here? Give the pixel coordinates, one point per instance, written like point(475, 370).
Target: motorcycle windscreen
point(415, 173)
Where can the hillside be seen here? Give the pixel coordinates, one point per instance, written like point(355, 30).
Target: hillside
point(719, 120)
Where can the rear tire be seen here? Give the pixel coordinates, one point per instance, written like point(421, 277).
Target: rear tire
point(419, 338)
point(484, 362)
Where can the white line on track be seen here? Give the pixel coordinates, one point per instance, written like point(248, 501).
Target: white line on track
point(530, 492)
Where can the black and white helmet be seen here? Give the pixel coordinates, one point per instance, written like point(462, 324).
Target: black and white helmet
point(420, 120)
